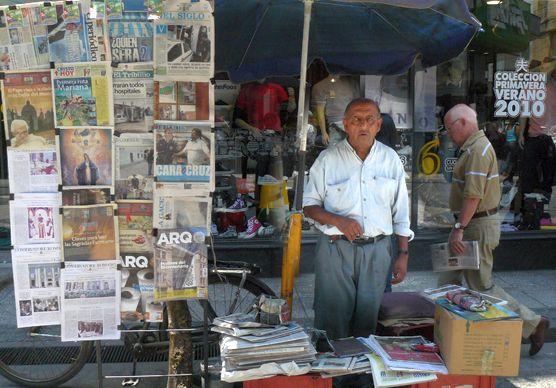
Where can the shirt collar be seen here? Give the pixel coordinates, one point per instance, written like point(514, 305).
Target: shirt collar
point(472, 139)
point(352, 150)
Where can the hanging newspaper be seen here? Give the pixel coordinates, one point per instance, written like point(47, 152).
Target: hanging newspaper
point(135, 222)
point(184, 152)
point(134, 162)
point(75, 36)
point(180, 270)
point(23, 39)
point(33, 171)
point(83, 94)
point(86, 157)
point(182, 101)
point(36, 274)
point(81, 197)
point(34, 218)
point(137, 289)
point(184, 42)
point(133, 97)
point(89, 233)
point(131, 41)
point(90, 301)
point(28, 110)
point(172, 209)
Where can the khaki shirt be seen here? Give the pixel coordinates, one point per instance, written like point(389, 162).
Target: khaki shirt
point(476, 174)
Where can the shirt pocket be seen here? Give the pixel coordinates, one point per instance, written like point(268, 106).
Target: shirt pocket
point(338, 195)
point(385, 191)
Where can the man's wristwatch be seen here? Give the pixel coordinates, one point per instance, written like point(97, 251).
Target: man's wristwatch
point(459, 226)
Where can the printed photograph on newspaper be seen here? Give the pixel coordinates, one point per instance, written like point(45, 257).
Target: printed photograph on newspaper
point(180, 270)
point(89, 233)
point(83, 94)
point(135, 223)
point(91, 294)
point(33, 171)
point(134, 165)
point(86, 157)
point(133, 97)
point(184, 42)
point(28, 110)
point(131, 41)
point(36, 275)
point(138, 289)
point(81, 197)
point(182, 101)
point(23, 39)
point(184, 152)
point(34, 218)
point(172, 209)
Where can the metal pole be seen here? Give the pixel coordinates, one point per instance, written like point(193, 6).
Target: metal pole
point(100, 377)
point(205, 344)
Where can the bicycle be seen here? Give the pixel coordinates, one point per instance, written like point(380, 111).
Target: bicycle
point(233, 287)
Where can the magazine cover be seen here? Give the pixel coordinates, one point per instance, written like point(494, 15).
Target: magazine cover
point(133, 97)
point(184, 152)
point(184, 42)
point(134, 166)
point(83, 94)
point(138, 289)
point(89, 196)
point(34, 218)
point(89, 233)
point(68, 39)
point(28, 110)
point(182, 101)
point(180, 270)
point(86, 157)
point(33, 171)
point(131, 41)
point(135, 222)
point(36, 275)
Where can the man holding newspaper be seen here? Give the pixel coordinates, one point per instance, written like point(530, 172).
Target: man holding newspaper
point(474, 199)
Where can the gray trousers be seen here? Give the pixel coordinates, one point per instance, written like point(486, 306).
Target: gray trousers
point(349, 284)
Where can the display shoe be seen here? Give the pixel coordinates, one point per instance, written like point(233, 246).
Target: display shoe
point(229, 233)
point(253, 226)
point(213, 230)
point(538, 336)
point(239, 204)
point(266, 231)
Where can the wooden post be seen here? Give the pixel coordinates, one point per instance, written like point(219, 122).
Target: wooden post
point(180, 353)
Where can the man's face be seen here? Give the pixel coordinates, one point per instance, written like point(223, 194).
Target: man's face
point(362, 123)
point(20, 133)
point(194, 135)
point(168, 135)
point(453, 128)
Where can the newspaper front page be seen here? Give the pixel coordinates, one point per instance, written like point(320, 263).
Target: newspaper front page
point(83, 94)
point(184, 152)
point(131, 41)
point(184, 42)
point(174, 209)
point(34, 218)
point(90, 233)
point(134, 166)
point(180, 270)
point(133, 97)
point(28, 110)
point(36, 274)
point(90, 301)
point(86, 157)
point(135, 222)
point(182, 101)
point(33, 171)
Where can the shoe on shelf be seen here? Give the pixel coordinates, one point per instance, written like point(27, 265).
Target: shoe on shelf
point(213, 230)
point(229, 233)
point(253, 226)
point(239, 204)
point(266, 231)
point(538, 336)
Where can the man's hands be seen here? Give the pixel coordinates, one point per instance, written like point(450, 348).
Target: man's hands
point(325, 138)
point(400, 268)
point(455, 241)
point(349, 227)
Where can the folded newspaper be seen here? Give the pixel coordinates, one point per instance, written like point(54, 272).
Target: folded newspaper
point(444, 260)
point(440, 292)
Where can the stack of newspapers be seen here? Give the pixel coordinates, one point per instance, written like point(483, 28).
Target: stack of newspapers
point(330, 365)
point(251, 350)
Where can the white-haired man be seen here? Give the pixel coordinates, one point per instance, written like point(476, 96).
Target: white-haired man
point(22, 138)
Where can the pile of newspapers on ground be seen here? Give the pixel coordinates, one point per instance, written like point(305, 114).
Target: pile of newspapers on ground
point(252, 350)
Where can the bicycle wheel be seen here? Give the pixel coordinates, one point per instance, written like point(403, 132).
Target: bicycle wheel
point(35, 357)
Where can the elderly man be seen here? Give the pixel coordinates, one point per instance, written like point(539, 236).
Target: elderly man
point(474, 198)
point(358, 197)
point(22, 138)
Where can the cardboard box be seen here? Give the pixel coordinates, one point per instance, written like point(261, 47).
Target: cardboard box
point(487, 348)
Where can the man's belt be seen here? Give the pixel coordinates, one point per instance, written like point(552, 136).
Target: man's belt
point(485, 213)
point(359, 240)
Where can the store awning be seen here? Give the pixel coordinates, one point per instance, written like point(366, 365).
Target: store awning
point(261, 38)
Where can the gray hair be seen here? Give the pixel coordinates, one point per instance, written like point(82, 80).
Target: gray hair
point(360, 101)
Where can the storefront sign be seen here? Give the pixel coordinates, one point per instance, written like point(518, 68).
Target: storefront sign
point(519, 92)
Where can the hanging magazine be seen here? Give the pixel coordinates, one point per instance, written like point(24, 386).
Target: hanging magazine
point(135, 223)
point(134, 165)
point(182, 101)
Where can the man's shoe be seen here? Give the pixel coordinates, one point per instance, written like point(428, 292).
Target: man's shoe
point(538, 336)
point(239, 204)
point(253, 226)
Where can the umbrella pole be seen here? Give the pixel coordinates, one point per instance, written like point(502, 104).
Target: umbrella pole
point(292, 245)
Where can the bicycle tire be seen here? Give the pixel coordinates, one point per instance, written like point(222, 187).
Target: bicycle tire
point(85, 351)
